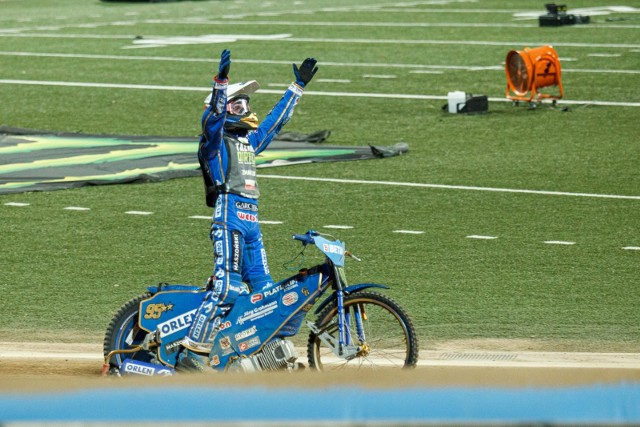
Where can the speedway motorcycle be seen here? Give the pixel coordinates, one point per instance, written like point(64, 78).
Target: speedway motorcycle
point(352, 326)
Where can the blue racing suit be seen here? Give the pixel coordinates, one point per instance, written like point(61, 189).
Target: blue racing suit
point(229, 169)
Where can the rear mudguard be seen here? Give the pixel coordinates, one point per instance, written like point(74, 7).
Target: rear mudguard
point(347, 291)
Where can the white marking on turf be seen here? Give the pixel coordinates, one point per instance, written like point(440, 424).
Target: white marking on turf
point(632, 248)
point(162, 41)
point(499, 68)
point(334, 80)
point(278, 92)
point(475, 236)
point(450, 187)
point(408, 231)
point(16, 204)
point(76, 208)
point(270, 222)
point(199, 217)
point(379, 76)
point(426, 72)
point(396, 42)
point(605, 55)
point(559, 242)
point(339, 227)
point(138, 213)
point(213, 38)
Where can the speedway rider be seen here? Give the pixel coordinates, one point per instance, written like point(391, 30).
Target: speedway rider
point(231, 138)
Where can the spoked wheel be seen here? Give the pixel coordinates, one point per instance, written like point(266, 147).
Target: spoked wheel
point(375, 323)
point(123, 333)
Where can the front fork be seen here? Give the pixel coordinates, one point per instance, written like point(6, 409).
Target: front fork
point(344, 346)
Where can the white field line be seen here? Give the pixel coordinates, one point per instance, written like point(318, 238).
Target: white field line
point(251, 23)
point(232, 20)
point(452, 187)
point(408, 231)
point(394, 42)
point(278, 92)
point(413, 67)
point(138, 213)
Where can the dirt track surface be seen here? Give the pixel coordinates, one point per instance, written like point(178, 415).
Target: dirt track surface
point(46, 366)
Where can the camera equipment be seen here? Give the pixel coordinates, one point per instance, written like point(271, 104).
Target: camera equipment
point(557, 16)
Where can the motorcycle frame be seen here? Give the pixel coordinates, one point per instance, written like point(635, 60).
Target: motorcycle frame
point(333, 267)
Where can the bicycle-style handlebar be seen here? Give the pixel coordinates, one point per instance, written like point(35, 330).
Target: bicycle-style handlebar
point(306, 238)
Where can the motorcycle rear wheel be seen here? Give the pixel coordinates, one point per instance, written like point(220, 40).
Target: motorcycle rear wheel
point(390, 339)
point(123, 333)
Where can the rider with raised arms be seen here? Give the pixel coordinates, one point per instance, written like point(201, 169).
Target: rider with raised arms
point(231, 138)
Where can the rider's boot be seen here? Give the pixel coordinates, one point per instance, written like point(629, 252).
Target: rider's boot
point(190, 361)
point(193, 357)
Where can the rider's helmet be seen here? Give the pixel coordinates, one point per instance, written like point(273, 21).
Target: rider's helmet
point(239, 114)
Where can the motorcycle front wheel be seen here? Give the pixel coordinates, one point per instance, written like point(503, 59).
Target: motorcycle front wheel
point(375, 323)
point(124, 335)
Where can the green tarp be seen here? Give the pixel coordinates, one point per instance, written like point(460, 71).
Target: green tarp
point(42, 161)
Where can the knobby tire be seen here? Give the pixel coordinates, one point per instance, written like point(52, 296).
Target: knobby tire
point(125, 319)
point(390, 335)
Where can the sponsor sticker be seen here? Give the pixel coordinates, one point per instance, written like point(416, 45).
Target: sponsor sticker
point(273, 291)
point(246, 333)
point(249, 184)
point(197, 330)
point(292, 284)
point(225, 343)
point(177, 323)
point(245, 206)
point(131, 368)
point(332, 249)
point(247, 216)
point(173, 347)
point(224, 325)
point(255, 298)
point(257, 313)
point(265, 265)
point(246, 345)
point(290, 298)
point(218, 250)
point(236, 255)
point(217, 287)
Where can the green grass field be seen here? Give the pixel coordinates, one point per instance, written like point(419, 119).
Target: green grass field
point(64, 273)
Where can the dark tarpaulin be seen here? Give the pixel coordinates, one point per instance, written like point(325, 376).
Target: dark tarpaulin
point(43, 161)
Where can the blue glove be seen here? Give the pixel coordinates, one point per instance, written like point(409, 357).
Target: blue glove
point(225, 64)
point(305, 73)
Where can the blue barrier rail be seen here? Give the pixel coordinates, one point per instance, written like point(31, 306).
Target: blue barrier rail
point(594, 404)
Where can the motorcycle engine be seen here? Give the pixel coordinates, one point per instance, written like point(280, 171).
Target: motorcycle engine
point(278, 354)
